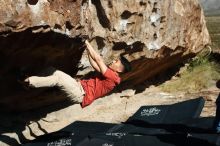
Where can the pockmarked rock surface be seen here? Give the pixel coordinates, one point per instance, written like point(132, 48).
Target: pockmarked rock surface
point(34, 34)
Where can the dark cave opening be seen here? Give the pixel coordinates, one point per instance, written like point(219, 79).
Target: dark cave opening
point(27, 53)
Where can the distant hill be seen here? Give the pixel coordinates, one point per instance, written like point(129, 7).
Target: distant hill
point(211, 7)
point(212, 12)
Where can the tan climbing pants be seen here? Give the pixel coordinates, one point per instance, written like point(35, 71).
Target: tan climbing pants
point(69, 85)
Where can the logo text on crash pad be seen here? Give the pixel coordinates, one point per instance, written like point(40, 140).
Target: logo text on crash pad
point(150, 112)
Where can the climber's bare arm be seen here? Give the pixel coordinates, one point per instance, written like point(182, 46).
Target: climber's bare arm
point(95, 59)
point(93, 63)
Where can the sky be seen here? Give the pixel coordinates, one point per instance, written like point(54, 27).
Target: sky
point(210, 4)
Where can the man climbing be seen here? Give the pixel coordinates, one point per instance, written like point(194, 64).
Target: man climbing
point(85, 91)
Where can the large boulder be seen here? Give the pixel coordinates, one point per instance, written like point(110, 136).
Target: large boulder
point(153, 34)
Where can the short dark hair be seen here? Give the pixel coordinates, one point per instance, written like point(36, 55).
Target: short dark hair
point(126, 64)
point(218, 84)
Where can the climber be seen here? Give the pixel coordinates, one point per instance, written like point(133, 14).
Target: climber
point(85, 91)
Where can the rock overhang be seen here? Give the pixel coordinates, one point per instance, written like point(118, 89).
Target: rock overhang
point(154, 35)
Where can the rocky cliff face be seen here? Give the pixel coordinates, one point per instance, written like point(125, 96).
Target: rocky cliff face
point(153, 34)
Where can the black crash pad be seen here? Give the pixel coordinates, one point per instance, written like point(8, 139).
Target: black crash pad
point(79, 130)
point(168, 114)
point(166, 125)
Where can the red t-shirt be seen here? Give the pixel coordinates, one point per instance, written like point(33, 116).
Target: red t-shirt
point(99, 86)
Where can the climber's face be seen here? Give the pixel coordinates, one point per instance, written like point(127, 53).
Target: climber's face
point(116, 66)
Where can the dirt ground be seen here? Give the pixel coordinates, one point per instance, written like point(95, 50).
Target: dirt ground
point(115, 108)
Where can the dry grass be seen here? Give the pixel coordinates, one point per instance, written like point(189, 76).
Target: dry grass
point(194, 78)
point(213, 25)
point(202, 71)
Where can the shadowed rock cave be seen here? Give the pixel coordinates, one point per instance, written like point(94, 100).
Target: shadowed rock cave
point(25, 54)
